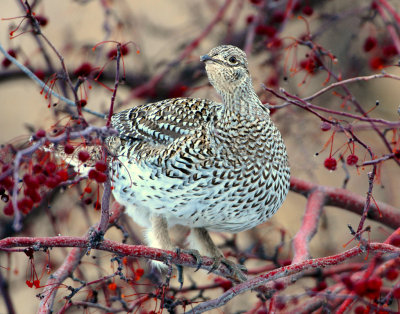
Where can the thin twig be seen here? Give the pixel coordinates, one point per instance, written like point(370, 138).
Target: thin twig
point(47, 89)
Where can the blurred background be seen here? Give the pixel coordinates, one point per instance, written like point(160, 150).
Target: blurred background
point(166, 39)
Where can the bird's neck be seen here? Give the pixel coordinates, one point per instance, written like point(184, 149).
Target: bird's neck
point(242, 102)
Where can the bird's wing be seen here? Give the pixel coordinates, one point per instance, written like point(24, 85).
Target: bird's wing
point(164, 121)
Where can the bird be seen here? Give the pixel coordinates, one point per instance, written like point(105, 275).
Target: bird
point(209, 165)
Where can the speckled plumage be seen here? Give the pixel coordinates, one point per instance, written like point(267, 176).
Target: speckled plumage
point(199, 163)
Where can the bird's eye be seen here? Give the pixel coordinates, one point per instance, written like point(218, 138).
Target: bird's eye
point(233, 60)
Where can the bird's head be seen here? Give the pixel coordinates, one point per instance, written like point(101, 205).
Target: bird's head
point(227, 69)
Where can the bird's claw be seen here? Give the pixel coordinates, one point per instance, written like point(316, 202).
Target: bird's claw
point(196, 255)
point(236, 269)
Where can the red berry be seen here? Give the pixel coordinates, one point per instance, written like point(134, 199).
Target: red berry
point(351, 160)
point(360, 288)
point(37, 169)
point(374, 283)
point(272, 81)
point(25, 205)
point(7, 183)
point(360, 310)
point(278, 17)
point(113, 52)
point(396, 293)
point(40, 74)
point(389, 51)
point(266, 30)
point(51, 182)
point(31, 181)
point(280, 304)
point(101, 166)
point(36, 283)
point(177, 91)
point(88, 189)
point(63, 174)
point(83, 155)
point(68, 149)
point(42, 20)
point(6, 63)
point(330, 163)
point(392, 274)
point(40, 133)
point(101, 177)
point(29, 283)
point(376, 63)
point(81, 103)
point(41, 178)
point(139, 272)
point(348, 282)
point(112, 286)
point(325, 126)
point(307, 10)
point(50, 167)
point(321, 286)
point(395, 241)
point(33, 194)
point(97, 205)
point(87, 201)
point(8, 209)
point(84, 69)
point(370, 43)
point(279, 285)
point(249, 19)
point(274, 43)
point(223, 283)
point(93, 174)
point(256, 1)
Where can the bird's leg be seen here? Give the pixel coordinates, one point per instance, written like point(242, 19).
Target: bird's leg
point(157, 236)
point(200, 238)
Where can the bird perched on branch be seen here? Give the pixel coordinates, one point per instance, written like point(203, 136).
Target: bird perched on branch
point(199, 163)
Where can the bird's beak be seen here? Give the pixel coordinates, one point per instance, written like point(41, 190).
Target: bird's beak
point(205, 58)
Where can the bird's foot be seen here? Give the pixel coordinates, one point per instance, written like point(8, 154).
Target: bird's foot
point(236, 269)
point(196, 255)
